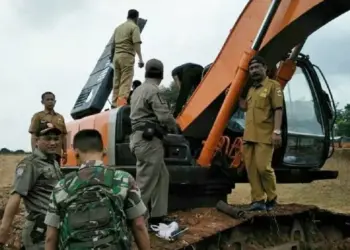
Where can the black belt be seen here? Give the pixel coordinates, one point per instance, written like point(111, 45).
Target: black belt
point(35, 217)
point(138, 128)
point(158, 132)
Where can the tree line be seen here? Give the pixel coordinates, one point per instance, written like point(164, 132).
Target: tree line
point(5, 151)
point(342, 127)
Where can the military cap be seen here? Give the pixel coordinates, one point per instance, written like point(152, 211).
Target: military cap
point(154, 66)
point(45, 128)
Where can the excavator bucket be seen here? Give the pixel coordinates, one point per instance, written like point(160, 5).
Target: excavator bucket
point(97, 89)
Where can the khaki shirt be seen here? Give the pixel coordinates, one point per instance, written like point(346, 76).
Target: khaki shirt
point(262, 101)
point(125, 36)
point(147, 105)
point(55, 118)
point(35, 178)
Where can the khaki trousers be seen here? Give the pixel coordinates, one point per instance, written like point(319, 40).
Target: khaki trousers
point(262, 179)
point(123, 75)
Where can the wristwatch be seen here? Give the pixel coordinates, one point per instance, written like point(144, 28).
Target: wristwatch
point(277, 131)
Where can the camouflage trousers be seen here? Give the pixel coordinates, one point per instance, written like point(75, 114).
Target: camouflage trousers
point(27, 239)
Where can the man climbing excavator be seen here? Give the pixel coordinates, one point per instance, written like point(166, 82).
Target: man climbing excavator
point(204, 160)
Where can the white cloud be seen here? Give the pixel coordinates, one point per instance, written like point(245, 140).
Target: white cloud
point(55, 47)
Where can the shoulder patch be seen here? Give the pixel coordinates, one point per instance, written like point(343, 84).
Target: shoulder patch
point(161, 99)
point(279, 92)
point(20, 169)
point(19, 172)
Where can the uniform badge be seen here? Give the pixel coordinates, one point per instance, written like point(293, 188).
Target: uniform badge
point(19, 172)
point(279, 92)
point(263, 95)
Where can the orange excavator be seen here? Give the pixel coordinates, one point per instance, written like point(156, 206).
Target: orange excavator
point(204, 160)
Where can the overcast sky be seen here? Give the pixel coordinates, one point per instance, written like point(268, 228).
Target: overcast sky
point(53, 46)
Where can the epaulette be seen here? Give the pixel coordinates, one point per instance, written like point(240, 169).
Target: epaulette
point(28, 159)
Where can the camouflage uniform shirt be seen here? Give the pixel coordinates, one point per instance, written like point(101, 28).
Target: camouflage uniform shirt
point(170, 94)
point(129, 192)
point(35, 178)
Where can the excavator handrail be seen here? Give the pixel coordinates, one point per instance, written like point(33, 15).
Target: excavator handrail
point(334, 107)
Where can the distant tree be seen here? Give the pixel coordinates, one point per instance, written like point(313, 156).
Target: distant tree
point(19, 151)
point(5, 151)
point(343, 121)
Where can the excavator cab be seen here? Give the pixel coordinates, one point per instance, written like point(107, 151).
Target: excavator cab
point(310, 119)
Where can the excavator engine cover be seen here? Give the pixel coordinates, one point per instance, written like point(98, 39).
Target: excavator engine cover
point(94, 95)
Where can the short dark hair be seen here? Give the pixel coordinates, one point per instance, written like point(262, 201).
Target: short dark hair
point(47, 93)
point(136, 84)
point(88, 140)
point(133, 14)
point(257, 59)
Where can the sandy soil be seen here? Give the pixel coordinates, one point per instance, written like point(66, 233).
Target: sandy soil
point(330, 194)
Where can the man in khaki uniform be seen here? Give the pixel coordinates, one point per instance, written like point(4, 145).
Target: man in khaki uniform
point(262, 134)
point(35, 178)
point(148, 113)
point(126, 43)
point(49, 115)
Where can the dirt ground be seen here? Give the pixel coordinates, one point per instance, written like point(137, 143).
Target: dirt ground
point(328, 194)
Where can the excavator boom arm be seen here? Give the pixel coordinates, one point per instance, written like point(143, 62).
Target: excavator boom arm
point(272, 33)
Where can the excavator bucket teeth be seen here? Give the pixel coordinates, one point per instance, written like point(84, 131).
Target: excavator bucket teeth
point(289, 226)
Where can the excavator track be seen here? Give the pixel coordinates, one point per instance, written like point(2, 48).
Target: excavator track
point(289, 226)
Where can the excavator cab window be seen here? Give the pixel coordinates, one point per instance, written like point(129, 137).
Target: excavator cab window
point(308, 136)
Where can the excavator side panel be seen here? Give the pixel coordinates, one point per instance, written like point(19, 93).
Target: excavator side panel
point(293, 22)
point(102, 123)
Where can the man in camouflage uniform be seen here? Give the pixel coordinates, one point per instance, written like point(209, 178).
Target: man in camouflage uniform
point(35, 178)
point(148, 113)
point(126, 42)
point(92, 208)
point(262, 134)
